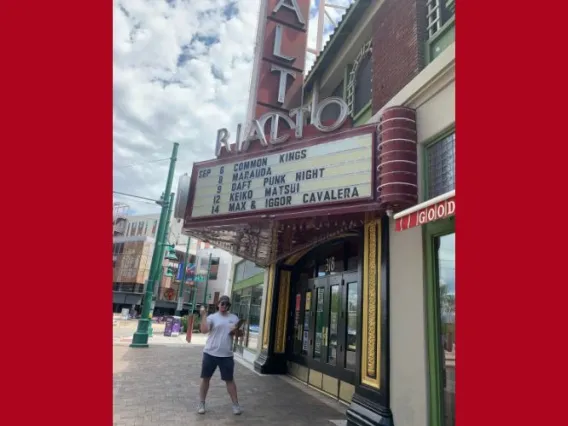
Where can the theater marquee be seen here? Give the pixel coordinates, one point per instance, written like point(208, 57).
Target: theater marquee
point(332, 172)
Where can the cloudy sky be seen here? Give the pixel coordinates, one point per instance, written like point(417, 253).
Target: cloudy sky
point(182, 70)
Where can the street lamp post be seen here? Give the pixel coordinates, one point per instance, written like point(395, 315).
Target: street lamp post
point(140, 337)
point(163, 243)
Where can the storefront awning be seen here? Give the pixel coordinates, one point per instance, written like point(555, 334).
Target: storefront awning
point(434, 209)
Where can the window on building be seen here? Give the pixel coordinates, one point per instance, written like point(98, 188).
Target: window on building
point(245, 270)
point(117, 248)
point(140, 227)
point(246, 305)
point(154, 227)
point(254, 317)
point(363, 82)
point(441, 166)
point(240, 271)
point(360, 87)
point(441, 28)
point(146, 228)
point(214, 268)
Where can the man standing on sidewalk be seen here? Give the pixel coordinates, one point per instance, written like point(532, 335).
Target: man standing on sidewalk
point(218, 351)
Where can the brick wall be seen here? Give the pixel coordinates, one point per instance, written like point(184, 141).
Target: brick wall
point(399, 46)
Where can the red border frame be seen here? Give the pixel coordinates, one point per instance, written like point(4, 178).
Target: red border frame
point(290, 212)
point(56, 137)
point(511, 162)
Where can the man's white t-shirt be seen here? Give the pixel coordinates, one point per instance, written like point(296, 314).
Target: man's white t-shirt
point(219, 341)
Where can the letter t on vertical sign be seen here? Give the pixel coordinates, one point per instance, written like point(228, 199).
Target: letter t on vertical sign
point(284, 73)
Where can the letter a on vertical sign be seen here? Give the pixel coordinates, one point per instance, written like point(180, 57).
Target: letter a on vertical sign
point(292, 5)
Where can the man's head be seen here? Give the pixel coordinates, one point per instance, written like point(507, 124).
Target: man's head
point(224, 304)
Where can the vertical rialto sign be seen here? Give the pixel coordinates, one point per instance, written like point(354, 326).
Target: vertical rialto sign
point(281, 56)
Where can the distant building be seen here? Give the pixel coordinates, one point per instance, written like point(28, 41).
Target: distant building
point(133, 247)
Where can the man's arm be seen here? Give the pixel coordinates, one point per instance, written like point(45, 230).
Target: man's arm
point(204, 326)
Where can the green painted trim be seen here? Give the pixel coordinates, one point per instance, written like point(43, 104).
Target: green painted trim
point(433, 326)
point(448, 26)
point(363, 116)
point(424, 157)
point(249, 282)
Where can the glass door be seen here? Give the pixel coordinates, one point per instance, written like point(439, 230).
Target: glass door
point(441, 317)
point(334, 312)
point(320, 334)
point(446, 291)
point(349, 315)
point(243, 313)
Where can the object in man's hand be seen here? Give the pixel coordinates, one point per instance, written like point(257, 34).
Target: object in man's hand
point(236, 331)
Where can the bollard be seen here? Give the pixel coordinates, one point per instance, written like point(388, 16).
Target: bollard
point(189, 331)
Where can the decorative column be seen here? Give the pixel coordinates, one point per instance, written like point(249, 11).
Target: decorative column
point(370, 402)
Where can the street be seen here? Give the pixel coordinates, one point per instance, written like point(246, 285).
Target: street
point(160, 386)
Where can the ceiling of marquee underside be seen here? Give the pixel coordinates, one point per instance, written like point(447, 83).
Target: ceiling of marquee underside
point(265, 242)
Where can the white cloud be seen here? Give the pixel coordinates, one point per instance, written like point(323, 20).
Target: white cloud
point(181, 71)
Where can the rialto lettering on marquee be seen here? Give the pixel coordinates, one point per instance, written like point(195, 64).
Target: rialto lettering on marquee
point(256, 127)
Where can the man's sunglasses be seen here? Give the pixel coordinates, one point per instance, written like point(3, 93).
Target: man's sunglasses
point(225, 304)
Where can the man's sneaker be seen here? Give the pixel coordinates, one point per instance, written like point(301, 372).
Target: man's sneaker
point(237, 409)
point(201, 408)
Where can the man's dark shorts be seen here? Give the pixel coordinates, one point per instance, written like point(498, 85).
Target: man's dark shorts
point(210, 363)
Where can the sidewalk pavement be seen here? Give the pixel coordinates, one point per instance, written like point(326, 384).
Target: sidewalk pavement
point(159, 385)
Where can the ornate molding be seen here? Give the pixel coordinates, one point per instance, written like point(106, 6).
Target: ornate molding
point(372, 301)
point(370, 366)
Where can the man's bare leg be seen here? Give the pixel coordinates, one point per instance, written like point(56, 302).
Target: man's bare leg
point(203, 389)
point(232, 389)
